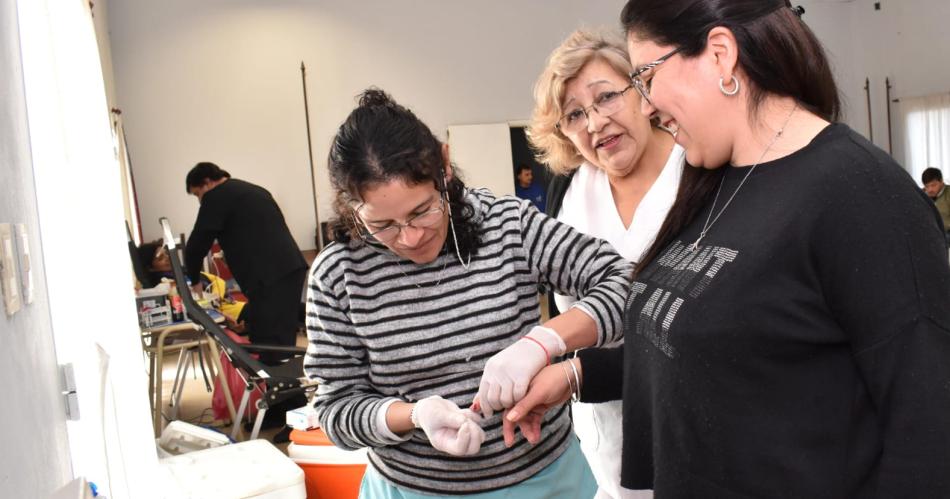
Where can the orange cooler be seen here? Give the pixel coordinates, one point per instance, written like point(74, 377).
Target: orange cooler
point(330, 472)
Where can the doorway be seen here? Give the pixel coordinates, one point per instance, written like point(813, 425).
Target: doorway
point(523, 159)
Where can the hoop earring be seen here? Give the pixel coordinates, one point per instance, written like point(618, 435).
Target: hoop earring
point(723, 89)
point(668, 130)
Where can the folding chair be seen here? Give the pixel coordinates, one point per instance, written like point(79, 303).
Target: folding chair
point(277, 383)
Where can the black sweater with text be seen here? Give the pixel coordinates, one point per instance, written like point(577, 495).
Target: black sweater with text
point(803, 350)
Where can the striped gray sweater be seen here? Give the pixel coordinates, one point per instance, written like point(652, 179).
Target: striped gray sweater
point(380, 327)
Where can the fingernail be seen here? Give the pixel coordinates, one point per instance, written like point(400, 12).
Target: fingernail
point(513, 415)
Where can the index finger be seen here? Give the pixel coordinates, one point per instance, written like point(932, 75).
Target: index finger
point(524, 406)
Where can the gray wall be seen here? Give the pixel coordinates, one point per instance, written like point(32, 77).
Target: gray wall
point(35, 456)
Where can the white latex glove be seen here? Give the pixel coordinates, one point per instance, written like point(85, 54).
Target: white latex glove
point(449, 428)
point(508, 372)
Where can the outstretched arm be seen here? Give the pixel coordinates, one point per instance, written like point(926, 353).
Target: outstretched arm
point(570, 263)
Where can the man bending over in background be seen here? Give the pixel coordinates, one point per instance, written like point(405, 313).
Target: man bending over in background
point(262, 255)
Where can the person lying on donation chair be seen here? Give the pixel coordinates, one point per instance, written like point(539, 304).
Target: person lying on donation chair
point(154, 258)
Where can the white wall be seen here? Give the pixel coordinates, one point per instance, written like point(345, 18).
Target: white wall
point(219, 80)
point(832, 22)
point(908, 42)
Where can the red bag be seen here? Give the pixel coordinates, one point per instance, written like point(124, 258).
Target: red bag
point(219, 405)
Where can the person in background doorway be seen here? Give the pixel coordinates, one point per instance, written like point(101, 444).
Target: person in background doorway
point(788, 332)
point(618, 177)
point(527, 188)
point(262, 254)
point(932, 178)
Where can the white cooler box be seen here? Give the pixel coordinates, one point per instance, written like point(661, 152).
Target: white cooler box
point(254, 469)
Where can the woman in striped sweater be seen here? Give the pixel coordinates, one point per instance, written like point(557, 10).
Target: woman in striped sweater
point(428, 301)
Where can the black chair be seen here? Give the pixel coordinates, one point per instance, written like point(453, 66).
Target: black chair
point(277, 383)
point(141, 273)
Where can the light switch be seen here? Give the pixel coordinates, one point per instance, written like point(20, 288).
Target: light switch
point(26, 267)
point(8, 271)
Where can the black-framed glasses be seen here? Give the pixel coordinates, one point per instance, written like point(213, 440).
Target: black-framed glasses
point(643, 87)
point(391, 232)
point(605, 104)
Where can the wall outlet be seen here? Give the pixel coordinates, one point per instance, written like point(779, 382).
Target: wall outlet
point(8, 271)
point(26, 267)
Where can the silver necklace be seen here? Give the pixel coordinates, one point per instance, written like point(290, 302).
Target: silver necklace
point(708, 225)
point(446, 253)
point(464, 264)
point(441, 272)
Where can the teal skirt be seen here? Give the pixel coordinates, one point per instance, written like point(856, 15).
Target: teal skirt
point(568, 477)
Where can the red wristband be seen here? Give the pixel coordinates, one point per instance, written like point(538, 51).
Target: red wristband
point(547, 356)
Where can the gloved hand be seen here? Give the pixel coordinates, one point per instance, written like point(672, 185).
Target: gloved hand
point(508, 372)
point(450, 429)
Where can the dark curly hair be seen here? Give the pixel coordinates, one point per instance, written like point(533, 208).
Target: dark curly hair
point(146, 255)
point(381, 141)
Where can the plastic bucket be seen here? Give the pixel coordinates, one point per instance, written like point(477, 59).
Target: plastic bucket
point(330, 472)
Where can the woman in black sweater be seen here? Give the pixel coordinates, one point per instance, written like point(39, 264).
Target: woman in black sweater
point(788, 334)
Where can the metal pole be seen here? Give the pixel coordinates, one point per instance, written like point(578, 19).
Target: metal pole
point(867, 93)
point(887, 89)
point(313, 180)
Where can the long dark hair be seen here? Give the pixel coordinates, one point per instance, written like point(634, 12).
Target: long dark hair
point(778, 53)
point(381, 141)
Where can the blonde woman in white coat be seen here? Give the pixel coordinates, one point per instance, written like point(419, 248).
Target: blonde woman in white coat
point(618, 177)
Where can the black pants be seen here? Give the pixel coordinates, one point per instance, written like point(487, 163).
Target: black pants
point(273, 315)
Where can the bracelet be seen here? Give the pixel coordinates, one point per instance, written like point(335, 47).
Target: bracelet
point(412, 415)
point(567, 375)
point(547, 356)
point(577, 381)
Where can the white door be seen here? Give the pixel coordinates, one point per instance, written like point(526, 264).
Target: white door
point(483, 153)
point(79, 208)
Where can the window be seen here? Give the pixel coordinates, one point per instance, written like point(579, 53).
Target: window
point(926, 133)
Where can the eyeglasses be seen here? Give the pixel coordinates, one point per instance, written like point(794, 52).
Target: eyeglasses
point(391, 232)
point(643, 87)
point(606, 104)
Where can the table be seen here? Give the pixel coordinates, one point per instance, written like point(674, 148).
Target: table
point(155, 343)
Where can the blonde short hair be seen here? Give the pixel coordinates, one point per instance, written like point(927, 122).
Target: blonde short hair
point(582, 46)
